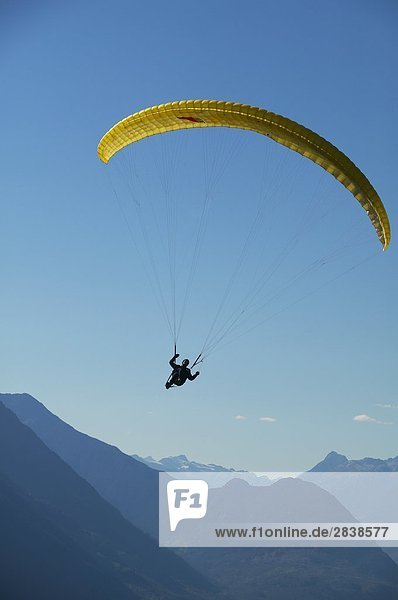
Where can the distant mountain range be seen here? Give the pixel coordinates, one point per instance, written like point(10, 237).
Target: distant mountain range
point(173, 464)
point(338, 462)
point(110, 543)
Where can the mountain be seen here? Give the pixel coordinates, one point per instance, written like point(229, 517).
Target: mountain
point(250, 573)
point(285, 573)
point(61, 539)
point(38, 559)
point(338, 462)
point(303, 573)
point(128, 484)
point(172, 464)
point(299, 573)
point(237, 501)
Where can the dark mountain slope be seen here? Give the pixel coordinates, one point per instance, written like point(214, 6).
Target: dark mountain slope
point(126, 483)
point(299, 573)
point(38, 560)
point(69, 513)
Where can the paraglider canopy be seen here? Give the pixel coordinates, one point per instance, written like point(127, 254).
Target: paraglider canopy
point(188, 114)
point(169, 226)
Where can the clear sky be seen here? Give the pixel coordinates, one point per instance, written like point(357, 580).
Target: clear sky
point(80, 327)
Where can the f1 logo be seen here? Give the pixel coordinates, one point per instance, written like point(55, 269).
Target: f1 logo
point(187, 499)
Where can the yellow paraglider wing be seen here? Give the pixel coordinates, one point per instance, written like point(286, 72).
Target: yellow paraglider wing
point(190, 114)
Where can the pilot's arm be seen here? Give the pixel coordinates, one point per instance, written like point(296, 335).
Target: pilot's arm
point(172, 362)
point(192, 377)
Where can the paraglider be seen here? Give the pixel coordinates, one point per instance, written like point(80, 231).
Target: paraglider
point(180, 373)
point(201, 114)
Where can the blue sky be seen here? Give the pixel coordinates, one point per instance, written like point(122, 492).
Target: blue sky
point(81, 330)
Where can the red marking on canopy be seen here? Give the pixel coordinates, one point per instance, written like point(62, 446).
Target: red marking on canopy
point(193, 119)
